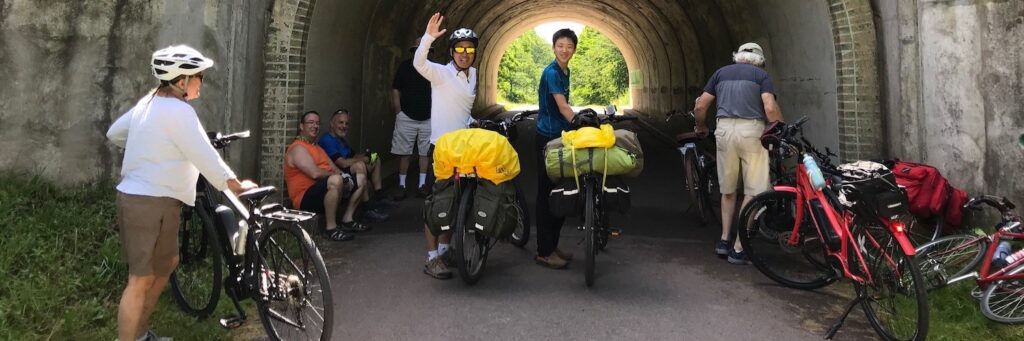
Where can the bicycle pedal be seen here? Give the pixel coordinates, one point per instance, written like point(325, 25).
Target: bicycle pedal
point(232, 321)
point(615, 232)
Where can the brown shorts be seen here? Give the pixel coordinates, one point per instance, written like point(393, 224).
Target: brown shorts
point(149, 233)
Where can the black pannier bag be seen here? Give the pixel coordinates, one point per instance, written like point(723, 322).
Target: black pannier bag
point(494, 213)
point(565, 199)
point(615, 195)
point(440, 207)
point(870, 187)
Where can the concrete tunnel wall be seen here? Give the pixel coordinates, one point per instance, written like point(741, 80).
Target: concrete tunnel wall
point(670, 48)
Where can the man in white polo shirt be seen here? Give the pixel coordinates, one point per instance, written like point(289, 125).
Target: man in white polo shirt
point(453, 90)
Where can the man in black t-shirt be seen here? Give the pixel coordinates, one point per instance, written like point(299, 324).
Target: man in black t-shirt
point(410, 100)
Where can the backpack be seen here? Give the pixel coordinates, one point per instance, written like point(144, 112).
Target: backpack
point(929, 193)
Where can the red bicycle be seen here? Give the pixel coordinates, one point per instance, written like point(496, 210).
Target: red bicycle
point(951, 259)
point(802, 237)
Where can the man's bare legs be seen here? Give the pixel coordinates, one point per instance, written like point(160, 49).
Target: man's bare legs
point(334, 186)
point(359, 195)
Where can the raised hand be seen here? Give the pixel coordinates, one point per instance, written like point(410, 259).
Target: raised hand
point(434, 26)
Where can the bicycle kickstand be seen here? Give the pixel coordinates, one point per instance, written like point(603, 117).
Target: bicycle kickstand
point(233, 321)
point(839, 323)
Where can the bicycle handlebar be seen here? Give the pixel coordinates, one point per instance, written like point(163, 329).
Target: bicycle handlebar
point(1002, 204)
point(220, 141)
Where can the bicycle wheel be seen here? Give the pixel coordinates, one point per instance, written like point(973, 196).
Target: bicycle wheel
point(710, 194)
point(949, 257)
point(294, 291)
point(469, 245)
point(1003, 301)
point(196, 282)
point(924, 230)
point(895, 299)
point(692, 183)
point(765, 226)
point(521, 235)
point(590, 232)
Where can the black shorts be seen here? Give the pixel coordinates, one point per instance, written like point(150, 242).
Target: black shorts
point(313, 199)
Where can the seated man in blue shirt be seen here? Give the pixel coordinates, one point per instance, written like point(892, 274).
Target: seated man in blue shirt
point(358, 165)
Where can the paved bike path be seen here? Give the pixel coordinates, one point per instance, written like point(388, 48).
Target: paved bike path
point(660, 281)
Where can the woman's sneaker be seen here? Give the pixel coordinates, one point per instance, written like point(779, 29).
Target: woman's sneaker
point(722, 248)
point(552, 261)
point(738, 258)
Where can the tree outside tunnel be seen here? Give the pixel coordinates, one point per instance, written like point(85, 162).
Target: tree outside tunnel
point(599, 73)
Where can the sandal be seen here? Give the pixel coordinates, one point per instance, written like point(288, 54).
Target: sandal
point(353, 226)
point(339, 236)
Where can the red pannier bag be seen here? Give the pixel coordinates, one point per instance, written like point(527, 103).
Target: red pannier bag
point(929, 193)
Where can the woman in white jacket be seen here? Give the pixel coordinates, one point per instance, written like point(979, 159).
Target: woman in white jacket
point(166, 148)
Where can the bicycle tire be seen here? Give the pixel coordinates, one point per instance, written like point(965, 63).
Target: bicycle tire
point(924, 230)
point(288, 293)
point(764, 226)
point(1003, 295)
point(469, 252)
point(949, 257)
point(590, 232)
point(710, 194)
point(691, 180)
point(896, 283)
point(521, 235)
point(196, 282)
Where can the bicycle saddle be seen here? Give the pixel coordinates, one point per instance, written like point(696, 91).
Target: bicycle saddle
point(689, 137)
point(257, 194)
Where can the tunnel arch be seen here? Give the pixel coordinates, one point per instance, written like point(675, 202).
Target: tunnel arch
point(669, 47)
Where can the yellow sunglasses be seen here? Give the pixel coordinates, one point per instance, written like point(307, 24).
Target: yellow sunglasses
point(467, 50)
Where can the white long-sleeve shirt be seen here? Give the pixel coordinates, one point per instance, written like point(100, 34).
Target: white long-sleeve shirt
point(166, 148)
point(451, 92)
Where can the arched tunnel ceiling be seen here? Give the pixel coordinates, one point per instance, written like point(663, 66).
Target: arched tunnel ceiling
point(668, 45)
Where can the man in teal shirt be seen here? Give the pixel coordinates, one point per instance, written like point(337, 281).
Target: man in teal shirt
point(553, 118)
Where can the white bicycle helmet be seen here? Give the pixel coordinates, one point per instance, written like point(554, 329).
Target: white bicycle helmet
point(173, 61)
point(463, 34)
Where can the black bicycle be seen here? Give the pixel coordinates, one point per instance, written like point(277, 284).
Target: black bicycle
point(700, 172)
point(270, 259)
point(595, 212)
point(471, 246)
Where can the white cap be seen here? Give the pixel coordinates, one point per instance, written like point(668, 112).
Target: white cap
point(751, 47)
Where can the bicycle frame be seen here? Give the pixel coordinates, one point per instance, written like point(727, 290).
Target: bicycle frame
point(986, 276)
point(838, 222)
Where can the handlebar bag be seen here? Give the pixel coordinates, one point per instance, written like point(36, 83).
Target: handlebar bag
point(480, 151)
point(494, 213)
point(440, 207)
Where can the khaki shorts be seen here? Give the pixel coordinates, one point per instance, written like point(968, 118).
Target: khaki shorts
point(740, 152)
point(149, 233)
point(409, 132)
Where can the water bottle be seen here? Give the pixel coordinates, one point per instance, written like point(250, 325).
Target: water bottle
point(813, 172)
point(999, 259)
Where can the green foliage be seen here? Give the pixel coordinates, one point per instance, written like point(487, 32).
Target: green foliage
point(62, 266)
point(520, 68)
point(599, 74)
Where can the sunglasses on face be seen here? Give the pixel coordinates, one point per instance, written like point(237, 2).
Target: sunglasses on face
point(466, 50)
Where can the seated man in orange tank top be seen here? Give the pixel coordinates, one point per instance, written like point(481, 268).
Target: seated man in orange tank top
point(315, 184)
